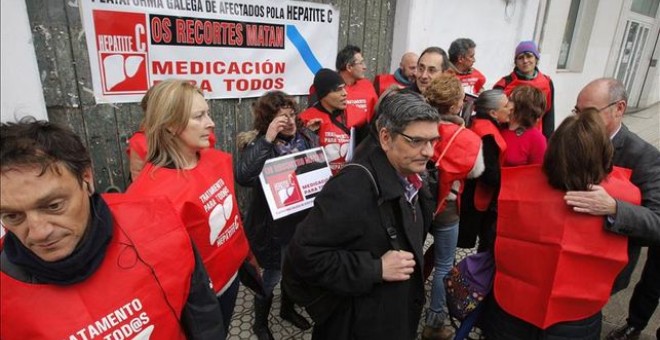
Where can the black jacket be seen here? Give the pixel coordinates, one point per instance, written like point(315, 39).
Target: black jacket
point(266, 236)
point(473, 222)
point(640, 223)
point(337, 249)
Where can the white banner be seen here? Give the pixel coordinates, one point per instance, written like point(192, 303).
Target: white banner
point(228, 49)
point(291, 182)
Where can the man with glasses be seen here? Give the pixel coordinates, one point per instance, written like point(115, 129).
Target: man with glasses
point(355, 262)
point(431, 64)
point(640, 223)
point(78, 265)
point(361, 95)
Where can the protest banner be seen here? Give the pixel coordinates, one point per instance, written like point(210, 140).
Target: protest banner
point(291, 182)
point(228, 49)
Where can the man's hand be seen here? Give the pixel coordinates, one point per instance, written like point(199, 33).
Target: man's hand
point(397, 265)
point(595, 201)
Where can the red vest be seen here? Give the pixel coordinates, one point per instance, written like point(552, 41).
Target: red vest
point(483, 194)
point(472, 82)
point(206, 201)
point(454, 156)
point(334, 140)
point(149, 259)
point(554, 264)
point(383, 82)
point(541, 82)
point(361, 99)
point(138, 144)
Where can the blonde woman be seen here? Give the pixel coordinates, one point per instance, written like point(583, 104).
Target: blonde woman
point(197, 179)
point(457, 156)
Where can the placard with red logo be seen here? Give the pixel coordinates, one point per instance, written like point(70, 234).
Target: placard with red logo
point(291, 182)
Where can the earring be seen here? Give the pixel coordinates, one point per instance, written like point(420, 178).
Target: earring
point(90, 188)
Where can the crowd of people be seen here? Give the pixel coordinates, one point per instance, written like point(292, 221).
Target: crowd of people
point(424, 152)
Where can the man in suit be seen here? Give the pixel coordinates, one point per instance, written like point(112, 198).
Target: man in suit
point(640, 223)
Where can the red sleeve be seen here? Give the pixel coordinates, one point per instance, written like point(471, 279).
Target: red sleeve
point(371, 106)
point(138, 144)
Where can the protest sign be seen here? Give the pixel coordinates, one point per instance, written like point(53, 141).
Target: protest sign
point(228, 49)
point(291, 182)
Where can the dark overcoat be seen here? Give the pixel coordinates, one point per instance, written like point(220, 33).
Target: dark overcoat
point(338, 247)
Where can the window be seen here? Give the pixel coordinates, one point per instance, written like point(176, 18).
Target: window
point(581, 15)
point(569, 31)
point(645, 7)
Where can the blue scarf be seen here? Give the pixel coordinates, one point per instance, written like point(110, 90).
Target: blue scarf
point(287, 145)
point(398, 75)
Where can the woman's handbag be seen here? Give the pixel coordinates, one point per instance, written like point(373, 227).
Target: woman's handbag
point(468, 283)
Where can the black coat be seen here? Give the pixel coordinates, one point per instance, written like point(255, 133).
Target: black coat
point(338, 249)
point(639, 222)
point(266, 236)
point(473, 222)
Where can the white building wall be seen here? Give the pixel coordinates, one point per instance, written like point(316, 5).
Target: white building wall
point(568, 83)
point(496, 26)
point(21, 93)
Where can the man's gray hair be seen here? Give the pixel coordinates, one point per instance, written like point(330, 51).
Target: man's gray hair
point(616, 90)
point(399, 108)
point(459, 48)
point(488, 100)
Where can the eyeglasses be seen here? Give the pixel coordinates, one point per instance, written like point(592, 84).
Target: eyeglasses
point(419, 142)
point(431, 70)
point(359, 62)
point(576, 110)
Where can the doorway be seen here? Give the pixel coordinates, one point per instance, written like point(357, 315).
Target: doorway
point(640, 36)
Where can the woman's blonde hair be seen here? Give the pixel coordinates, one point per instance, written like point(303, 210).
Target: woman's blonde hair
point(168, 111)
point(444, 92)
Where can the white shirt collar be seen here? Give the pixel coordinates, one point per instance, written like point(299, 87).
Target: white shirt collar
point(615, 132)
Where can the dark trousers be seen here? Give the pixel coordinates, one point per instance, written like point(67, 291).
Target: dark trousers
point(500, 325)
point(228, 302)
point(623, 279)
point(645, 298)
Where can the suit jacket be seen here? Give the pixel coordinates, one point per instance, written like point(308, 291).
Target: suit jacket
point(641, 223)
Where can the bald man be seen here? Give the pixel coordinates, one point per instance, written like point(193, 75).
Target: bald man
point(404, 76)
point(640, 223)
